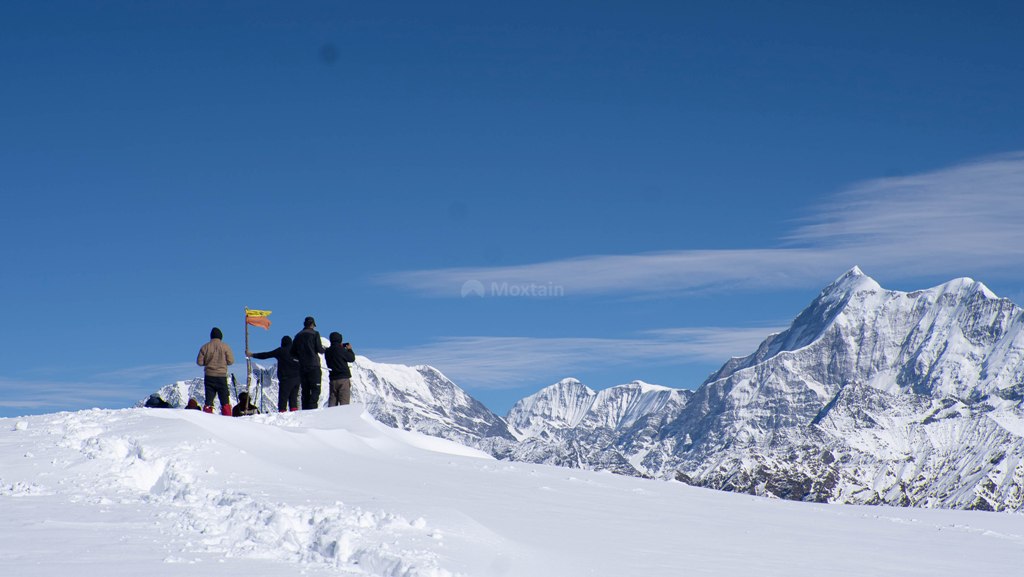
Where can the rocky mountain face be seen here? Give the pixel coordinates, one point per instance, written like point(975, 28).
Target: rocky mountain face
point(870, 396)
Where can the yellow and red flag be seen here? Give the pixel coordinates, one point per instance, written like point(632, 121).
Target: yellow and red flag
point(257, 318)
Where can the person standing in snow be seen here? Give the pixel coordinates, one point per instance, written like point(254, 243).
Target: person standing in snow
point(338, 356)
point(307, 348)
point(287, 374)
point(215, 357)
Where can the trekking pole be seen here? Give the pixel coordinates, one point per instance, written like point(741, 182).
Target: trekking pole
point(259, 392)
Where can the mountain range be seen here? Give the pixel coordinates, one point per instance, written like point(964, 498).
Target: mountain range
point(871, 396)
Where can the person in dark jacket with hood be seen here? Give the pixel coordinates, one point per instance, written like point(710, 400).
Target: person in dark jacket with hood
point(307, 348)
point(287, 374)
point(339, 355)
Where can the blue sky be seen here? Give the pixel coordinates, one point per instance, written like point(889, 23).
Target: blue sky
point(656, 186)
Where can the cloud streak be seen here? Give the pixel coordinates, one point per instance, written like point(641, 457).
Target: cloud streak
point(43, 396)
point(169, 372)
point(479, 362)
point(112, 389)
point(966, 217)
point(678, 271)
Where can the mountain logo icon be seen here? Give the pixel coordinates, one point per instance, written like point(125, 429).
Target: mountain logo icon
point(473, 287)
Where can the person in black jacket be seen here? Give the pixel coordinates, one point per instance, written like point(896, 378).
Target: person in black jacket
point(307, 348)
point(244, 408)
point(287, 374)
point(339, 355)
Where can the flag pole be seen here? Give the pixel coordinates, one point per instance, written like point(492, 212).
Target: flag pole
point(248, 361)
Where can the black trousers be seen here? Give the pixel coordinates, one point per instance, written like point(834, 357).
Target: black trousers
point(310, 382)
point(288, 394)
point(216, 386)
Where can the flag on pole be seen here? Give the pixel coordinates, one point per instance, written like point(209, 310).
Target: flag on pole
point(257, 318)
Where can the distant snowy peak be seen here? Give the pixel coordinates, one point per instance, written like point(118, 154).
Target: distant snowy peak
point(569, 404)
point(622, 406)
point(559, 406)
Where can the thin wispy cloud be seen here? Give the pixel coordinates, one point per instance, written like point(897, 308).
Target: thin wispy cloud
point(942, 222)
point(936, 223)
point(107, 389)
point(51, 393)
point(687, 271)
point(481, 362)
point(172, 371)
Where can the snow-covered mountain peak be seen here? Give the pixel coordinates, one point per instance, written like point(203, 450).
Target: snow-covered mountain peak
point(623, 405)
point(965, 286)
point(950, 324)
point(850, 282)
point(645, 386)
point(633, 389)
point(561, 405)
point(557, 410)
point(852, 286)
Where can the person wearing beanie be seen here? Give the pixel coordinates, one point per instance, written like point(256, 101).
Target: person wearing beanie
point(338, 356)
point(155, 401)
point(307, 348)
point(215, 357)
point(287, 374)
point(244, 408)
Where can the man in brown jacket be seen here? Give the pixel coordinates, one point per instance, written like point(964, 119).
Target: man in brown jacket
point(215, 356)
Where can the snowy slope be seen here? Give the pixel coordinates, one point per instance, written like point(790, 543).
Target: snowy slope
point(165, 492)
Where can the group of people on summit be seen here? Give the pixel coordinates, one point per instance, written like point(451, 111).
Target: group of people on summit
point(298, 370)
